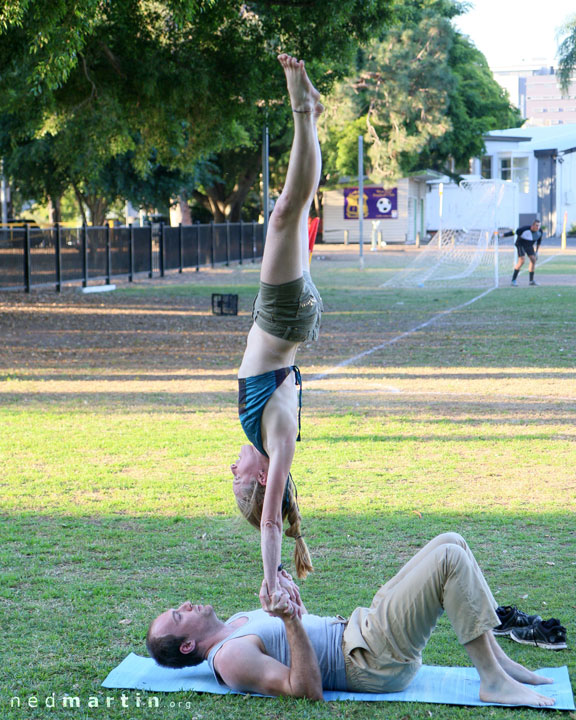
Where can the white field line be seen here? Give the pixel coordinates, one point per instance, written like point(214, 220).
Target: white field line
point(391, 341)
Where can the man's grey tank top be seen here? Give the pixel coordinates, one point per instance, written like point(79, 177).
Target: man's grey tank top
point(325, 634)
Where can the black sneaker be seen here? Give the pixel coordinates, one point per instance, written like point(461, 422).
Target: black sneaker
point(510, 617)
point(547, 634)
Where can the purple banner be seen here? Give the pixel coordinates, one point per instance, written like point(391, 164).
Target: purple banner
point(378, 203)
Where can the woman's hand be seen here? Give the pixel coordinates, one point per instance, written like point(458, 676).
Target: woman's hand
point(287, 584)
point(277, 603)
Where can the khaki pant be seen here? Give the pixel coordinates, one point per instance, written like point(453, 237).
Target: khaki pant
point(383, 644)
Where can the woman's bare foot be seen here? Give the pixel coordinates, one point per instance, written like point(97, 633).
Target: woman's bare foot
point(304, 97)
point(504, 689)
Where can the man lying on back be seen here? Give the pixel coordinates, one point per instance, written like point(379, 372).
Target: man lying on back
point(378, 650)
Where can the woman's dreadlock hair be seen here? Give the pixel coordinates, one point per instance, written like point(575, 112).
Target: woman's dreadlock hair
point(250, 505)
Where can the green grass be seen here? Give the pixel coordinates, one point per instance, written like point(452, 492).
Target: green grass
point(116, 499)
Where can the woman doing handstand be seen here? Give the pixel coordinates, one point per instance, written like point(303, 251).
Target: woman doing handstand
point(286, 313)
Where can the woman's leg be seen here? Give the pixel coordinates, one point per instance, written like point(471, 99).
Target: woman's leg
point(287, 238)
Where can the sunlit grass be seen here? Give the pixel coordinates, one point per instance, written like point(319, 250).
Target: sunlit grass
point(116, 437)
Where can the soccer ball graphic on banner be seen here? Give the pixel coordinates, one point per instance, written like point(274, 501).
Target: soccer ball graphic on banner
point(384, 205)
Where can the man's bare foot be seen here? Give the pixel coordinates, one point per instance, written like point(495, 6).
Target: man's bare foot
point(514, 669)
point(522, 674)
point(504, 689)
point(304, 97)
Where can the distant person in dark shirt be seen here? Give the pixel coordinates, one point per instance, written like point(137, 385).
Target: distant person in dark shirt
point(526, 237)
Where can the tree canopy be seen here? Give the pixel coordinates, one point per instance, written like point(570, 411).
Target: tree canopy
point(137, 98)
point(567, 54)
point(422, 96)
point(174, 80)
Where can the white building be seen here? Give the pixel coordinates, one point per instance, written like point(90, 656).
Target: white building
point(542, 161)
point(534, 88)
point(536, 166)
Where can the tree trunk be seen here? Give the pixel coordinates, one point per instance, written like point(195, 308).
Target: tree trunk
point(227, 206)
point(184, 209)
point(217, 205)
point(98, 207)
point(80, 201)
point(55, 210)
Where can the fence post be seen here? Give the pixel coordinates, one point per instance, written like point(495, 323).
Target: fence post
point(58, 259)
point(253, 240)
point(212, 243)
point(131, 253)
point(241, 243)
point(27, 267)
point(180, 250)
point(227, 243)
point(151, 247)
point(108, 256)
point(161, 250)
point(197, 247)
point(84, 255)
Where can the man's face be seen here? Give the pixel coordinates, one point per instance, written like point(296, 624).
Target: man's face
point(535, 226)
point(250, 464)
point(190, 621)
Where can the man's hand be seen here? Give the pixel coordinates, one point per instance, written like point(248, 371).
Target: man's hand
point(278, 604)
point(286, 582)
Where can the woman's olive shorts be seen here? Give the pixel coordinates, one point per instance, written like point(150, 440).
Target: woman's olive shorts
point(290, 311)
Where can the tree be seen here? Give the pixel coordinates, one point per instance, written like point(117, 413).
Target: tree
point(39, 175)
point(423, 96)
point(180, 80)
point(476, 104)
point(567, 55)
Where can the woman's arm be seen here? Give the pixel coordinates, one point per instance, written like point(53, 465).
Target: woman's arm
point(271, 527)
point(279, 432)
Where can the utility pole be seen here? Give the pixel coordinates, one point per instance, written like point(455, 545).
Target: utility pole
point(4, 191)
point(361, 198)
point(265, 177)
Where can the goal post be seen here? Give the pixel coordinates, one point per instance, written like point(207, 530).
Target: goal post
point(468, 249)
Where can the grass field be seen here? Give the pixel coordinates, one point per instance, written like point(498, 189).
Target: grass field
point(118, 423)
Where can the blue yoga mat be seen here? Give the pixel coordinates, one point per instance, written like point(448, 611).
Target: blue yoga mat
point(432, 684)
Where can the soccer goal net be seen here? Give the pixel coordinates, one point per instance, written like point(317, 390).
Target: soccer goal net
point(467, 249)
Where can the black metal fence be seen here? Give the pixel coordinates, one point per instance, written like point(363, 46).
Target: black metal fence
point(30, 256)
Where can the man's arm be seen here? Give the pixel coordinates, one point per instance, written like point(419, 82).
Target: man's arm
point(243, 666)
point(539, 241)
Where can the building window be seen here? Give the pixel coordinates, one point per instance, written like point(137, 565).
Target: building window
point(516, 169)
point(486, 167)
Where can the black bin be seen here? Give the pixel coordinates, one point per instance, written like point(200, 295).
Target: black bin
point(224, 304)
